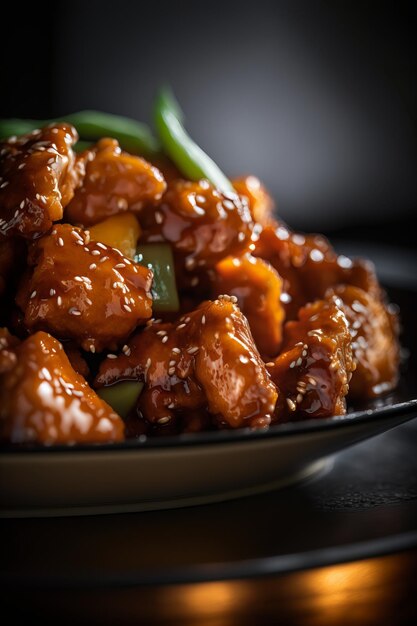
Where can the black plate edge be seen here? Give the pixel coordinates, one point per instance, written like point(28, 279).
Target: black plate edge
point(407, 409)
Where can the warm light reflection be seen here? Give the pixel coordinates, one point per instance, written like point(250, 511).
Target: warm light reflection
point(340, 588)
point(209, 599)
point(341, 594)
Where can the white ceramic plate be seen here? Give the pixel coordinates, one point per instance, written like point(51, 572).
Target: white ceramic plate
point(179, 471)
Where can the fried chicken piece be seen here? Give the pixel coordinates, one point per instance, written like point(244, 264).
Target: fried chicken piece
point(202, 225)
point(257, 287)
point(38, 176)
point(315, 365)
point(114, 182)
point(83, 290)
point(43, 400)
point(309, 266)
point(206, 361)
point(374, 329)
point(261, 205)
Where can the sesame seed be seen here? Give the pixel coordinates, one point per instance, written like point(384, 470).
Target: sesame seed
point(159, 218)
point(95, 252)
point(299, 361)
point(3, 185)
point(176, 350)
point(60, 241)
point(193, 350)
point(52, 292)
point(270, 364)
point(203, 319)
point(180, 326)
point(304, 353)
point(161, 333)
point(241, 237)
point(112, 356)
point(171, 371)
point(126, 350)
point(292, 364)
point(165, 339)
point(122, 204)
point(74, 311)
point(127, 308)
point(59, 300)
point(120, 265)
point(243, 359)
point(312, 381)
point(299, 398)
point(164, 420)
point(101, 245)
point(93, 266)
point(190, 263)
point(32, 295)
point(291, 405)
point(22, 204)
point(171, 405)
point(148, 363)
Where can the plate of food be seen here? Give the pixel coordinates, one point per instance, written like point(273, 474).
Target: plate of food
point(165, 338)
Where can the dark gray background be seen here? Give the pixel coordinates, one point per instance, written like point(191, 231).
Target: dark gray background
point(317, 98)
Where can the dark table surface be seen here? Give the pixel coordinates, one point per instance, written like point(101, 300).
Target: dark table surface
point(184, 563)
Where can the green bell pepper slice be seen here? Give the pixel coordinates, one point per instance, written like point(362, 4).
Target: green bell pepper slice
point(158, 258)
point(121, 396)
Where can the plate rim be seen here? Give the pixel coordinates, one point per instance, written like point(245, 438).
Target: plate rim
point(285, 430)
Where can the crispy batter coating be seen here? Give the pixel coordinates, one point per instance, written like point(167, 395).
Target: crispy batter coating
point(206, 361)
point(313, 370)
point(257, 287)
point(83, 290)
point(261, 204)
point(38, 176)
point(374, 329)
point(114, 182)
point(309, 266)
point(202, 224)
point(43, 400)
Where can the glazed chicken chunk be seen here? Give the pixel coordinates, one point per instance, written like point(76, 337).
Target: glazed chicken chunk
point(38, 176)
point(205, 361)
point(114, 182)
point(257, 287)
point(260, 202)
point(202, 224)
point(308, 266)
point(374, 330)
point(313, 370)
point(84, 290)
point(43, 400)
